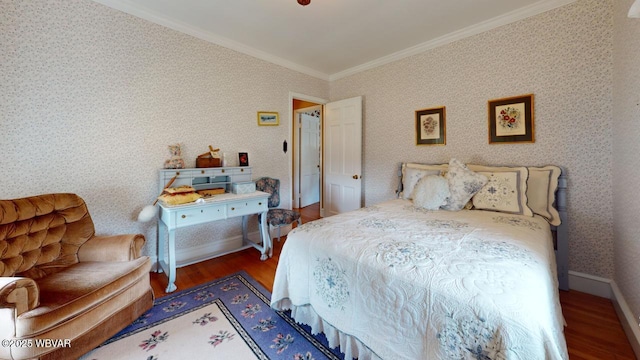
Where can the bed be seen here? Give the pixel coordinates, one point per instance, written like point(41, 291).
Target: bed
point(400, 281)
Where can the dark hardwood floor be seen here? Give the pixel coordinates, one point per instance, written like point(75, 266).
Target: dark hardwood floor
point(593, 329)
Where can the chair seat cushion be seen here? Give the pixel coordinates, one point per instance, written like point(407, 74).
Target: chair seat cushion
point(78, 288)
point(277, 217)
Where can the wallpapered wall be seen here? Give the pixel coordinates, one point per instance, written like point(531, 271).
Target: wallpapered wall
point(626, 147)
point(90, 98)
point(563, 57)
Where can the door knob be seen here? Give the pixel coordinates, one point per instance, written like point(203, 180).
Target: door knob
point(355, 177)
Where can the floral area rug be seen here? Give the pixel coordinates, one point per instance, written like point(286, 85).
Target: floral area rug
point(228, 318)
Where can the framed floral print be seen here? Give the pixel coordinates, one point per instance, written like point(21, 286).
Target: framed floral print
point(431, 126)
point(511, 120)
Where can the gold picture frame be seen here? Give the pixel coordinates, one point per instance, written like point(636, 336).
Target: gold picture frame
point(511, 120)
point(431, 126)
point(268, 118)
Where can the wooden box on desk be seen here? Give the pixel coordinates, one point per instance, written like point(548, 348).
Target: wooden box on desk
point(206, 161)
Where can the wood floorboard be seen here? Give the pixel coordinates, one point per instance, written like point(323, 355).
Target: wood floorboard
point(593, 330)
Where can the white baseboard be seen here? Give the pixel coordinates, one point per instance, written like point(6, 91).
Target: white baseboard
point(628, 321)
point(607, 288)
point(590, 284)
point(195, 254)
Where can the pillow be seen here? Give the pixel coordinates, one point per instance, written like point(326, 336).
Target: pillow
point(430, 192)
point(412, 173)
point(506, 190)
point(541, 190)
point(463, 184)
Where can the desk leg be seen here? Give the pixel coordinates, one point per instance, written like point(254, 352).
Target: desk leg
point(265, 249)
point(160, 236)
point(171, 270)
point(266, 239)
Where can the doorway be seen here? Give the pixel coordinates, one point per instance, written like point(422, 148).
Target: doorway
point(307, 159)
point(340, 166)
point(307, 149)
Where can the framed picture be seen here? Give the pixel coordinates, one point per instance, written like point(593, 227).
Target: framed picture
point(243, 159)
point(268, 118)
point(511, 120)
point(431, 126)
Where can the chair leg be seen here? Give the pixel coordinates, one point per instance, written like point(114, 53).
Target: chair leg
point(279, 227)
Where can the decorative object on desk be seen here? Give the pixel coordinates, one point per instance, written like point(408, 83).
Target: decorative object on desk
point(227, 318)
point(246, 187)
point(276, 217)
point(212, 158)
point(176, 161)
point(179, 195)
point(225, 159)
point(268, 118)
point(511, 120)
point(149, 212)
point(243, 159)
point(431, 126)
point(211, 192)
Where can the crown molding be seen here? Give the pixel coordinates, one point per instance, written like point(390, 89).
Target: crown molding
point(508, 18)
point(156, 18)
point(513, 16)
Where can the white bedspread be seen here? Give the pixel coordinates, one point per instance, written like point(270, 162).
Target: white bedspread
point(393, 282)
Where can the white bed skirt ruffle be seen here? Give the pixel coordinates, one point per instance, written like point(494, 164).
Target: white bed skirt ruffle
point(349, 345)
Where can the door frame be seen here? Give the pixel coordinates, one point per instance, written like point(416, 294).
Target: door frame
point(293, 145)
point(297, 142)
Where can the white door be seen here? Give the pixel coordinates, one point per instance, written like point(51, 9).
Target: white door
point(309, 159)
point(342, 156)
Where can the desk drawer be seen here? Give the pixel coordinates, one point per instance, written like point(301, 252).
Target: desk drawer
point(246, 207)
point(188, 217)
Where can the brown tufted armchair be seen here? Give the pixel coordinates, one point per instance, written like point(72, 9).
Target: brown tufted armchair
point(60, 281)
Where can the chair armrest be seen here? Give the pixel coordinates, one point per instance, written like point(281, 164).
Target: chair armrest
point(20, 293)
point(112, 248)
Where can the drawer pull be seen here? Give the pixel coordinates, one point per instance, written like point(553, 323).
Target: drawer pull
point(241, 170)
point(222, 170)
point(184, 216)
point(201, 171)
point(259, 203)
point(233, 208)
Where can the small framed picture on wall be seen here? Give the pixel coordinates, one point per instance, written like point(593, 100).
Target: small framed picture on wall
point(431, 126)
point(268, 118)
point(511, 120)
point(243, 159)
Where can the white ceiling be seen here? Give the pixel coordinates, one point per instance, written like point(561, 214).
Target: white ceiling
point(331, 39)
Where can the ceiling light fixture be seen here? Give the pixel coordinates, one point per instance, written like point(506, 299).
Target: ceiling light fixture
point(304, 2)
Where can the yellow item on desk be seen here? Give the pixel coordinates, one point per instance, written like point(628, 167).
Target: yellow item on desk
point(179, 195)
point(210, 192)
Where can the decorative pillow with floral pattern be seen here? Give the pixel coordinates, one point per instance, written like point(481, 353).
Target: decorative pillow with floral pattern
point(463, 184)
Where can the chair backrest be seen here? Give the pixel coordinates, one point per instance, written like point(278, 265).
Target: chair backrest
point(40, 235)
point(271, 186)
